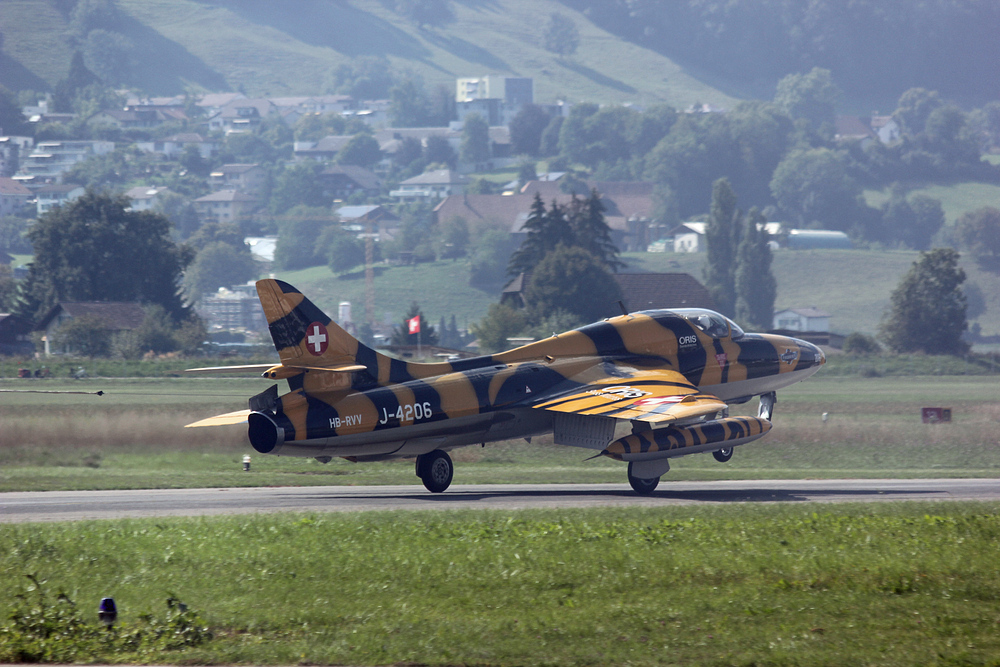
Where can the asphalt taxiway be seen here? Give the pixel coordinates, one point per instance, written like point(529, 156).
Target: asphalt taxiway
point(82, 505)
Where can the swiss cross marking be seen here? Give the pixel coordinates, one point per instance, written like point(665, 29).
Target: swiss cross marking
point(316, 339)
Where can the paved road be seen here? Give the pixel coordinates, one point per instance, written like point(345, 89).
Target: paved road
point(78, 505)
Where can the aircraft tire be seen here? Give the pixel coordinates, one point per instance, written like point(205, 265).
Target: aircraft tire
point(724, 454)
point(643, 487)
point(436, 470)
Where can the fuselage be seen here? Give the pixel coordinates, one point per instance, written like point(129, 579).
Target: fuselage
point(405, 409)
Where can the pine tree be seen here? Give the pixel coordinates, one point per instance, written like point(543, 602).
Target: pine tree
point(591, 230)
point(756, 288)
point(427, 335)
point(545, 231)
point(722, 236)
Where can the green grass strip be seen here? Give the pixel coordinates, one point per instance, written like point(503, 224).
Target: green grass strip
point(893, 584)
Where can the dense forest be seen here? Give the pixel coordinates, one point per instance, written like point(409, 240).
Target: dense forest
point(876, 49)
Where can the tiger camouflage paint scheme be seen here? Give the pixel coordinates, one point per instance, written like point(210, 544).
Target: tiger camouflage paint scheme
point(669, 374)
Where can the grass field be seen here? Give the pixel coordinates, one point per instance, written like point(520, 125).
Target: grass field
point(269, 49)
point(955, 199)
point(133, 438)
point(899, 584)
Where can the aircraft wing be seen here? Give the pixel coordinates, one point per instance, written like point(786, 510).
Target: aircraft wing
point(656, 396)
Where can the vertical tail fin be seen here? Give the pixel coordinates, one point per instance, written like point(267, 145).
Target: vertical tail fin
point(303, 334)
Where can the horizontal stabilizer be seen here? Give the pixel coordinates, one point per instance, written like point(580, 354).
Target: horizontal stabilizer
point(238, 417)
point(274, 371)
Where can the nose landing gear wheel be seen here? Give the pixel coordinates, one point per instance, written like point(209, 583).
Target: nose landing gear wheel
point(436, 470)
point(723, 455)
point(643, 487)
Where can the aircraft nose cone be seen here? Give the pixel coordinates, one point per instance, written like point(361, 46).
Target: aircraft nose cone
point(811, 355)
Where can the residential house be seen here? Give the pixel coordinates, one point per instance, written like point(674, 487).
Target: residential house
point(136, 118)
point(146, 197)
point(225, 206)
point(243, 115)
point(376, 220)
point(115, 316)
point(213, 103)
point(851, 129)
point(500, 142)
point(56, 194)
point(246, 178)
point(652, 291)
point(431, 186)
point(324, 150)
point(343, 180)
point(14, 197)
point(802, 319)
point(49, 160)
point(173, 147)
point(887, 129)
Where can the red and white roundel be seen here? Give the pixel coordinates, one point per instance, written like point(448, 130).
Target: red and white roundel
point(317, 340)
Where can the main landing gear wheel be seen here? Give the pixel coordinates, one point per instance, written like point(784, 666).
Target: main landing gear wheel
point(643, 487)
point(723, 455)
point(436, 470)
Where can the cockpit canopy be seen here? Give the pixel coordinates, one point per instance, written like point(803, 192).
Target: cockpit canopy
point(711, 322)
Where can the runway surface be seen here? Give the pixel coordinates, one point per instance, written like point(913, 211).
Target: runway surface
point(81, 505)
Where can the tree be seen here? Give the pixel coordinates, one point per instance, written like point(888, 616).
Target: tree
point(561, 35)
point(500, 323)
point(78, 78)
point(216, 265)
point(526, 173)
point(408, 105)
point(914, 108)
point(814, 186)
point(573, 280)
point(912, 222)
point(362, 150)
point(756, 288)
point(722, 237)
point(489, 260)
point(87, 336)
point(299, 185)
point(591, 231)
point(545, 230)
point(439, 151)
point(426, 336)
point(363, 78)
point(813, 96)
point(95, 249)
point(475, 146)
point(11, 118)
point(928, 308)
point(549, 142)
point(344, 250)
point(979, 232)
point(297, 246)
point(452, 238)
point(526, 129)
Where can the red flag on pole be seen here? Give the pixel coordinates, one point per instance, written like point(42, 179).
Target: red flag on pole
point(414, 324)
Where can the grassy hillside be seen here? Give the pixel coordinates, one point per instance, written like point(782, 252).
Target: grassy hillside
point(269, 48)
point(854, 286)
point(955, 199)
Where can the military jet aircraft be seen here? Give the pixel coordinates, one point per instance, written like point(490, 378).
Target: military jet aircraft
point(670, 375)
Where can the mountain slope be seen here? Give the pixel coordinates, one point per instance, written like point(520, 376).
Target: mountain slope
point(271, 48)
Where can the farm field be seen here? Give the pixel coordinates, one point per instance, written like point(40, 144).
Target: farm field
point(132, 438)
point(267, 50)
